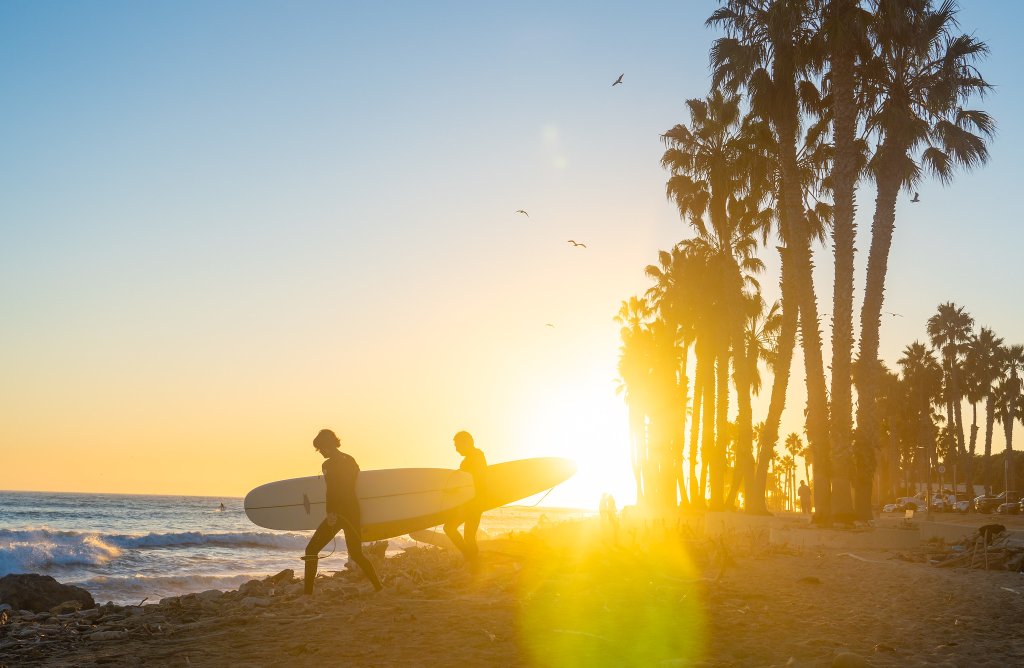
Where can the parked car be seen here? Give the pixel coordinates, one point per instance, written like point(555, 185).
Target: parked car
point(962, 506)
point(910, 503)
point(1008, 508)
point(889, 508)
point(987, 504)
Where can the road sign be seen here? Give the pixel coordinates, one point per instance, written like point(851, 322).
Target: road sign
point(941, 469)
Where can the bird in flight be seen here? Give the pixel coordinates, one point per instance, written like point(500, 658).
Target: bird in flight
point(576, 243)
point(522, 212)
point(898, 315)
point(549, 325)
point(916, 198)
point(619, 80)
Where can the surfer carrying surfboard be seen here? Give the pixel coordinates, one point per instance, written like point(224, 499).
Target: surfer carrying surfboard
point(343, 514)
point(474, 463)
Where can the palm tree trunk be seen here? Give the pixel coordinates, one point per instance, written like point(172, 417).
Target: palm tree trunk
point(718, 460)
point(959, 426)
point(969, 468)
point(680, 444)
point(744, 426)
point(798, 243)
point(882, 226)
point(707, 449)
point(780, 384)
point(990, 418)
point(696, 501)
point(844, 174)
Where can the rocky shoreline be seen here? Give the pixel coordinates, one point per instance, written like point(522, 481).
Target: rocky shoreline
point(565, 595)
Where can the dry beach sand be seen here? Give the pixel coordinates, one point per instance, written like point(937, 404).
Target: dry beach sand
point(563, 596)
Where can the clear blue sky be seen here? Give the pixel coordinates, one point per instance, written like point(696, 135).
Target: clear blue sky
point(228, 224)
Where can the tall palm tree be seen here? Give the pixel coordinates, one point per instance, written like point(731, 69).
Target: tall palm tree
point(845, 38)
point(1010, 401)
point(633, 371)
point(767, 50)
point(982, 366)
point(761, 344)
point(915, 87)
point(708, 184)
point(669, 299)
point(923, 377)
point(950, 330)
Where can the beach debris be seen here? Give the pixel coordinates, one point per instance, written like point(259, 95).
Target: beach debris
point(991, 547)
point(809, 579)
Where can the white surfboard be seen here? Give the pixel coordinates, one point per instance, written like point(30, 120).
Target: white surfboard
point(512, 481)
point(392, 501)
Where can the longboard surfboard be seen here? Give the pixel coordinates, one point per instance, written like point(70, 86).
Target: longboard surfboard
point(394, 502)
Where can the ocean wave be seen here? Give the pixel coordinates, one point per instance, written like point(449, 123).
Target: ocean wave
point(31, 550)
point(34, 550)
point(280, 541)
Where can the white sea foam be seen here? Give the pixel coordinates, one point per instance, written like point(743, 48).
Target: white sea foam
point(32, 550)
point(131, 590)
point(38, 549)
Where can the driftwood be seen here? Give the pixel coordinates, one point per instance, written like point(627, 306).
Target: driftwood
point(988, 548)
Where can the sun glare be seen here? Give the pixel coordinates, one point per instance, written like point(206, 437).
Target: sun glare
point(588, 424)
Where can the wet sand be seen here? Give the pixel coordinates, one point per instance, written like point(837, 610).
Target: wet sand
point(565, 596)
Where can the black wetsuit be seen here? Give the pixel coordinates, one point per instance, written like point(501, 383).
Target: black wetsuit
point(476, 464)
point(340, 472)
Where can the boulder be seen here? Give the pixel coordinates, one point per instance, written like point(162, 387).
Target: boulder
point(29, 591)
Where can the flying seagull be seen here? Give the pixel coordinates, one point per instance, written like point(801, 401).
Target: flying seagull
point(549, 325)
point(576, 243)
point(898, 315)
point(522, 212)
point(916, 198)
point(619, 80)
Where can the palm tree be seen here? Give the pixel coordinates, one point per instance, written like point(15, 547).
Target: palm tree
point(1010, 401)
point(795, 447)
point(982, 366)
point(669, 299)
point(708, 183)
point(845, 37)
point(915, 88)
point(761, 343)
point(950, 330)
point(923, 377)
point(633, 370)
point(768, 48)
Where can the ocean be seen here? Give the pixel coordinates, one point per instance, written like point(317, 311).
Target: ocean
point(125, 548)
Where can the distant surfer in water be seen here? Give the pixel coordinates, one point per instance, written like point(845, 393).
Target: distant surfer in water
point(473, 462)
point(340, 472)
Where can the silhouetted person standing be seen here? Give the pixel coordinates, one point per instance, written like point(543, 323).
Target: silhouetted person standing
point(340, 473)
point(804, 492)
point(473, 462)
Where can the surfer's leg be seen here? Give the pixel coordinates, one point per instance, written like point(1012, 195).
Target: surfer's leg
point(472, 524)
point(323, 534)
point(451, 529)
point(354, 547)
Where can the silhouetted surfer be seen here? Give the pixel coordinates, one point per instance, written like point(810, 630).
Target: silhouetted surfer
point(340, 472)
point(473, 462)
